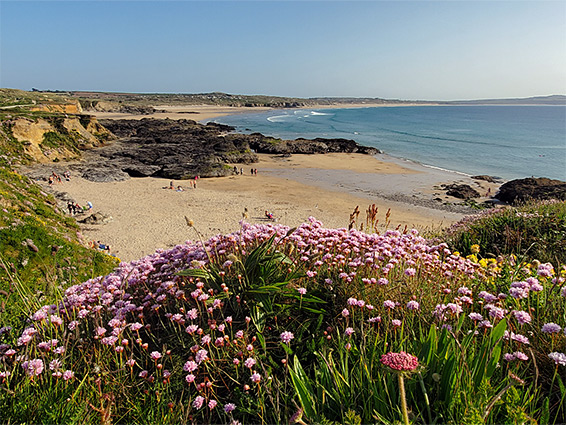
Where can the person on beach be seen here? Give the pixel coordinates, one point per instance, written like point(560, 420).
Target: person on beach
point(89, 205)
point(179, 189)
point(252, 171)
point(269, 216)
point(171, 185)
point(255, 171)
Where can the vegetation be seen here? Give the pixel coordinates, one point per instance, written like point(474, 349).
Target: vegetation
point(280, 325)
point(531, 231)
point(41, 250)
point(306, 325)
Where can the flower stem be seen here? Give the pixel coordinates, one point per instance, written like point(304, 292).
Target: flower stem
point(403, 398)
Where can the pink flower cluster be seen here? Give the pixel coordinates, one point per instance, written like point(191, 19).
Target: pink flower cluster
point(400, 361)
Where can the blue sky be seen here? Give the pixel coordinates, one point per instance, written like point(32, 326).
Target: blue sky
point(434, 50)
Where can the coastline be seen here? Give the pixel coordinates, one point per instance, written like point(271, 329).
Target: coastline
point(147, 216)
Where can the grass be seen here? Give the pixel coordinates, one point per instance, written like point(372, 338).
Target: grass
point(188, 334)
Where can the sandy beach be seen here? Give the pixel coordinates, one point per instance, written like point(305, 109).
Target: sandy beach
point(147, 215)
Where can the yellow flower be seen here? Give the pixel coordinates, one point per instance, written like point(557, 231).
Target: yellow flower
point(475, 248)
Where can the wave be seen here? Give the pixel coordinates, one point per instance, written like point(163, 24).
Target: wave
point(319, 113)
point(278, 118)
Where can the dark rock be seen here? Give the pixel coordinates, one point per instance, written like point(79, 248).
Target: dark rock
point(96, 218)
point(521, 190)
point(461, 191)
point(181, 149)
point(489, 179)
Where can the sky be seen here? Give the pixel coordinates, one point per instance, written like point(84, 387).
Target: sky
point(411, 50)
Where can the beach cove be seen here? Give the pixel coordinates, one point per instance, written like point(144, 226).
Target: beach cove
point(146, 215)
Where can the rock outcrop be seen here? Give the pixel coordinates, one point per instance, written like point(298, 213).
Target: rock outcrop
point(183, 149)
point(461, 191)
point(58, 137)
point(521, 190)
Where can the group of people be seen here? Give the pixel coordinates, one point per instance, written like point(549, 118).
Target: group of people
point(100, 246)
point(253, 171)
point(56, 178)
point(75, 208)
point(192, 184)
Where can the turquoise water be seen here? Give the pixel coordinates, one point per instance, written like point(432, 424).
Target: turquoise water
point(506, 141)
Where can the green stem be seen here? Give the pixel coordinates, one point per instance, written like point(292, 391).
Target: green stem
point(403, 398)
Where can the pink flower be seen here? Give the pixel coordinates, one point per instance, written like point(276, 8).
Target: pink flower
point(345, 313)
point(396, 322)
point(198, 402)
point(256, 377)
point(250, 362)
point(190, 378)
point(155, 355)
point(201, 356)
point(400, 361)
point(551, 328)
point(302, 291)
point(558, 358)
point(389, 304)
point(33, 367)
point(212, 404)
point(68, 374)
point(348, 331)
point(229, 407)
point(190, 366)
point(287, 336)
point(522, 317)
point(413, 305)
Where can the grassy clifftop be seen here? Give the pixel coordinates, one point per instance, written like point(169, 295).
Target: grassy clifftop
point(41, 249)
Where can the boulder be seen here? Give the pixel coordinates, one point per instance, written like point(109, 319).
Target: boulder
point(461, 191)
point(96, 218)
point(521, 190)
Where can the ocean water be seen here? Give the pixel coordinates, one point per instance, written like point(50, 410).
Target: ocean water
point(509, 142)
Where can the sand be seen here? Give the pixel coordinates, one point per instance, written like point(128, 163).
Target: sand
point(146, 215)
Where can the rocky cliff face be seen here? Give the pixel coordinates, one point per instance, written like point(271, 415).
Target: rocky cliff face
point(72, 107)
point(58, 138)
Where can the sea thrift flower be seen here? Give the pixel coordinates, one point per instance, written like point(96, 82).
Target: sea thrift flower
point(522, 317)
point(345, 312)
point(190, 366)
point(287, 336)
point(475, 317)
point(558, 358)
point(68, 374)
point(190, 378)
point(551, 328)
point(33, 367)
point(256, 377)
point(198, 402)
point(155, 355)
point(348, 331)
point(396, 322)
point(389, 304)
point(413, 305)
point(250, 362)
point(401, 361)
point(302, 291)
point(212, 404)
point(229, 407)
point(201, 356)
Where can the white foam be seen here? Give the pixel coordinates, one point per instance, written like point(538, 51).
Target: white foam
point(278, 118)
point(319, 113)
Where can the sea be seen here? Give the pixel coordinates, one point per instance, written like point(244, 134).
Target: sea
point(509, 142)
